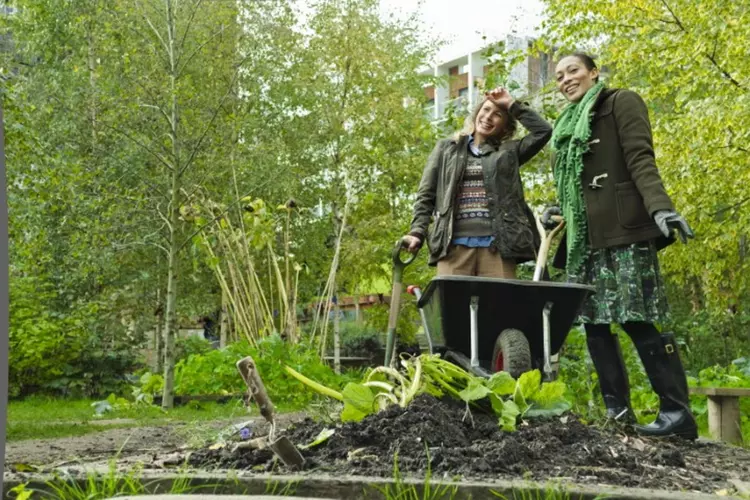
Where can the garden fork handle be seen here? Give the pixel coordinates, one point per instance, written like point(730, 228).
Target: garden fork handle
point(249, 371)
point(547, 238)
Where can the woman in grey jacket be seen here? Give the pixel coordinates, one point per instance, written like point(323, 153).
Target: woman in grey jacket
point(472, 185)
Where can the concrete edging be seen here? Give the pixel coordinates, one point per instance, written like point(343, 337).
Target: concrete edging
point(231, 484)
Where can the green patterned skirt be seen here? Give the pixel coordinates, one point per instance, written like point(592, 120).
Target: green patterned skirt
point(629, 285)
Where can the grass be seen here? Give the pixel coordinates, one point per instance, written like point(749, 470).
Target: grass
point(99, 486)
point(400, 490)
point(43, 418)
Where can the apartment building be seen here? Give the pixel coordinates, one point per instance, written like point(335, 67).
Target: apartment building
point(466, 72)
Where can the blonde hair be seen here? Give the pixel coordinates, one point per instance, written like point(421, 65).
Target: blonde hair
point(509, 125)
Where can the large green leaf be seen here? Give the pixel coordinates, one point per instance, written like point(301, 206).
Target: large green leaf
point(550, 394)
point(502, 383)
point(553, 410)
point(529, 383)
point(509, 416)
point(359, 401)
point(476, 390)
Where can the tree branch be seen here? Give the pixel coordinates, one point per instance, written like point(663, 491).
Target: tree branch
point(731, 207)
point(161, 110)
point(187, 28)
point(674, 16)
point(723, 71)
point(197, 49)
point(215, 113)
point(153, 28)
point(140, 144)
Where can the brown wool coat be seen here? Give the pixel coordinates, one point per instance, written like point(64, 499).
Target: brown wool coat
point(621, 183)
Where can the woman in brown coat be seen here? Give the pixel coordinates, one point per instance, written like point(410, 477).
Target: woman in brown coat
point(618, 215)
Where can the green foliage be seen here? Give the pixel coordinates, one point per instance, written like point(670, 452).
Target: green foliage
point(41, 344)
point(112, 483)
point(54, 352)
point(191, 345)
point(400, 490)
point(215, 372)
point(359, 401)
point(102, 132)
point(150, 384)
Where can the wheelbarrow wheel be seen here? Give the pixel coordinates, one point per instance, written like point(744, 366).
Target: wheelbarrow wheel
point(512, 353)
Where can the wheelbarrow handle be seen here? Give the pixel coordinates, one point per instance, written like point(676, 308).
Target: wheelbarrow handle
point(546, 240)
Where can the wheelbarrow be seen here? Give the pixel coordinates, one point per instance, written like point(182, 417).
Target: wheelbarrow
point(487, 325)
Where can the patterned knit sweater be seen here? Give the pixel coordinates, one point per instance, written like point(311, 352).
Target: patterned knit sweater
point(472, 215)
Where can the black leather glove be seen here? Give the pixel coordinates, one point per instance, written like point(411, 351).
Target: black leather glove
point(669, 220)
point(547, 221)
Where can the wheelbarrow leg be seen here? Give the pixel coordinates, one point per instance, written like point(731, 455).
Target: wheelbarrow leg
point(547, 347)
point(473, 315)
point(417, 292)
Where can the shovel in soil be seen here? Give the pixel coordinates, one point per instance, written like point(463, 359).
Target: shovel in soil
point(398, 271)
point(281, 446)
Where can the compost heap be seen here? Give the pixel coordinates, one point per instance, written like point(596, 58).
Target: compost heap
point(439, 435)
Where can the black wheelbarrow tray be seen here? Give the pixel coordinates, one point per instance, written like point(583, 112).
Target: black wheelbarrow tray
point(488, 325)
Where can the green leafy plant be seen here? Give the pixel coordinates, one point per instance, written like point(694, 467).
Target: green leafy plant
point(214, 372)
point(509, 399)
point(150, 384)
point(189, 346)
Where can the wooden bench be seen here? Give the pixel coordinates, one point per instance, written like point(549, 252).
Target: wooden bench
point(724, 422)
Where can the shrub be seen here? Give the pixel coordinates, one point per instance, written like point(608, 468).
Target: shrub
point(215, 372)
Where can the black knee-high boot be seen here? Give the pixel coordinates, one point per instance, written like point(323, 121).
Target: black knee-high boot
point(660, 358)
point(605, 352)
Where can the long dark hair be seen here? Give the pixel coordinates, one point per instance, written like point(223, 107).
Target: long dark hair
point(587, 60)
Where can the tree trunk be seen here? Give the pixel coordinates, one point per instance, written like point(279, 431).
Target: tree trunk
point(173, 218)
point(158, 333)
point(336, 336)
point(171, 312)
point(224, 331)
point(357, 310)
point(157, 364)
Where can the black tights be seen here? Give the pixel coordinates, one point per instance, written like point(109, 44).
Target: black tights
point(638, 330)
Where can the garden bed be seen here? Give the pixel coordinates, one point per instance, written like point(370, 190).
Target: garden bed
point(428, 436)
point(441, 437)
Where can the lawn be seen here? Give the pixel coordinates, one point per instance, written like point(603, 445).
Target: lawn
point(42, 417)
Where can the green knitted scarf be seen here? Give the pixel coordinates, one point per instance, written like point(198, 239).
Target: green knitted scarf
point(570, 140)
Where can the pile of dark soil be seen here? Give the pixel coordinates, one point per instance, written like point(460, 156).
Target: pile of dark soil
point(474, 447)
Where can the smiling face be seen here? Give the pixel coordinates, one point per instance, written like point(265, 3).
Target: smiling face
point(573, 78)
point(489, 121)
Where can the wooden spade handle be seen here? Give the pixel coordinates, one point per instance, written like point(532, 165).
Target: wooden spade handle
point(249, 372)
